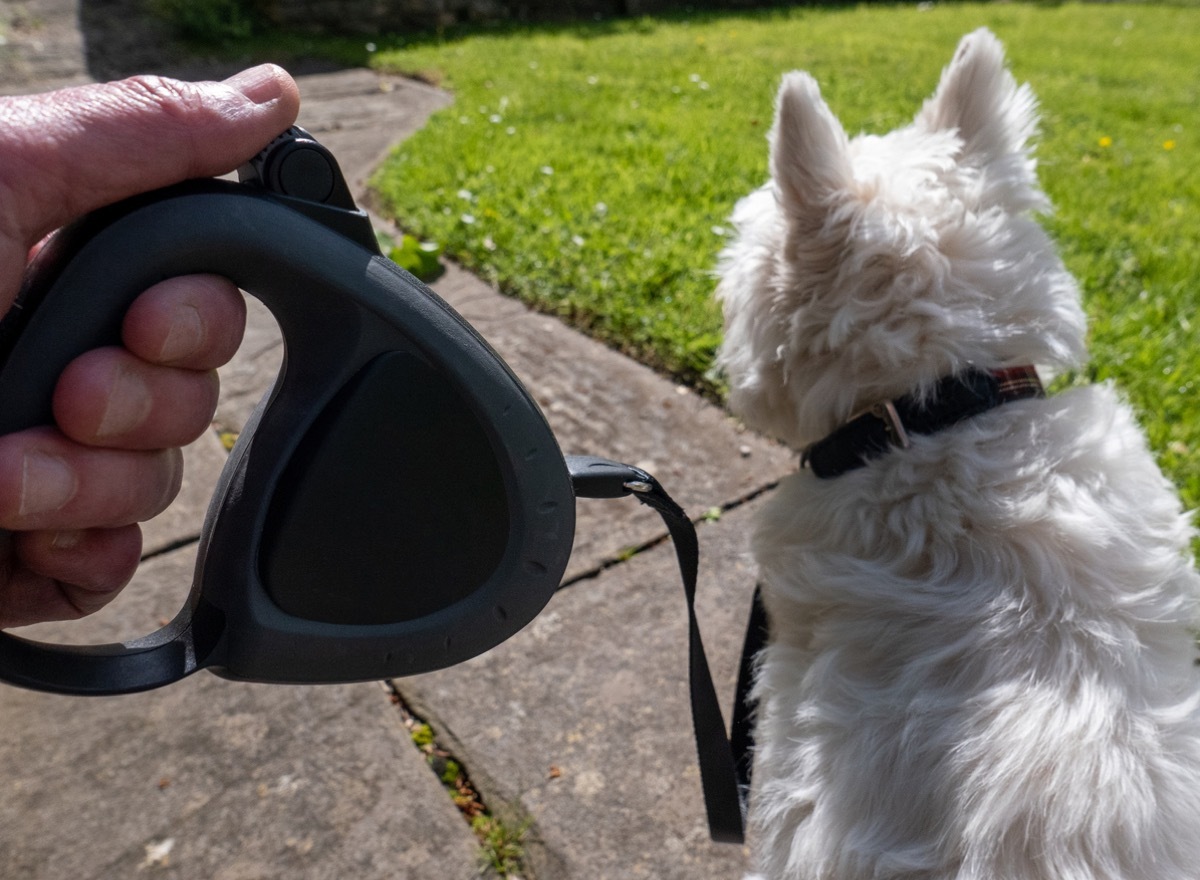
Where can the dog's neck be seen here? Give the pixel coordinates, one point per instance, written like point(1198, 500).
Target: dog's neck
point(890, 424)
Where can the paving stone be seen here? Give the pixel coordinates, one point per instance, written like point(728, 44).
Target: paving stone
point(599, 402)
point(215, 779)
point(252, 371)
point(202, 463)
point(358, 115)
point(582, 720)
point(41, 46)
point(361, 115)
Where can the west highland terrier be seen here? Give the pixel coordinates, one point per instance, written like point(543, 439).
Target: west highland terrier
point(982, 605)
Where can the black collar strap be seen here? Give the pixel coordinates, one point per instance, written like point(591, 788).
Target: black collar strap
point(890, 424)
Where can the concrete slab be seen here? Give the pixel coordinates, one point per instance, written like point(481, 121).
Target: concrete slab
point(41, 46)
point(252, 371)
point(360, 115)
point(215, 779)
point(597, 402)
point(202, 463)
point(600, 402)
point(582, 721)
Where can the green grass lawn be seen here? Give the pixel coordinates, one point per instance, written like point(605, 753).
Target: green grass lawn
point(590, 170)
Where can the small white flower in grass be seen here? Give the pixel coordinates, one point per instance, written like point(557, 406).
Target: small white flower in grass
point(490, 169)
point(601, 209)
point(469, 219)
point(578, 240)
point(510, 130)
point(592, 80)
point(703, 86)
point(719, 230)
point(547, 170)
point(695, 77)
point(371, 47)
point(488, 243)
point(495, 118)
point(466, 195)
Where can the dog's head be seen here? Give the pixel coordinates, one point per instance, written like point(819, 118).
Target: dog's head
point(872, 267)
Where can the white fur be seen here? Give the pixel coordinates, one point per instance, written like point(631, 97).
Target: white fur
point(982, 663)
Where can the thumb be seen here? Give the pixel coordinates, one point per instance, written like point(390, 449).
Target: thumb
point(68, 152)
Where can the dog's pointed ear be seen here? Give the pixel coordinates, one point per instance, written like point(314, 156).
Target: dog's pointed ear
point(979, 99)
point(809, 148)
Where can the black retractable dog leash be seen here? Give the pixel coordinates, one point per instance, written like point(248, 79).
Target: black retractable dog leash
point(397, 502)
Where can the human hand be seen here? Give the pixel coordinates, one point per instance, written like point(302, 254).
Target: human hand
point(71, 494)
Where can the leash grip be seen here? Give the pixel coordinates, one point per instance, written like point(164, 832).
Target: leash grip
point(329, 553)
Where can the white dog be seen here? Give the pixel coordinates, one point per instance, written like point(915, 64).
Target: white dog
point(981, 599)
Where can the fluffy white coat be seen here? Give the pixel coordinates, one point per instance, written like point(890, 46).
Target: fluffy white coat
point(982, 662)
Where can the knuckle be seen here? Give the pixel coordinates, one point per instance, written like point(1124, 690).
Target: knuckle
point(180, 109)
point(174, 97)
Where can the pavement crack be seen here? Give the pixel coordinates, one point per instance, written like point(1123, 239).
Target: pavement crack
point(171, 547)
point(710, 515)
point(501, 839)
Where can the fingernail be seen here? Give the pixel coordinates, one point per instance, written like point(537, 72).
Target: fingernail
point(185, 335)
point(68, 539)
point(259, 84)
point(174, 481)
point(47, 483)
point(127, 407)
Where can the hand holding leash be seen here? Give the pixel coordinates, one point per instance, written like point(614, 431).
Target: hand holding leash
point(73, 494)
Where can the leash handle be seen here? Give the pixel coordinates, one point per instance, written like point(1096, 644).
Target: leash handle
point(600, 478)
point(393, 439)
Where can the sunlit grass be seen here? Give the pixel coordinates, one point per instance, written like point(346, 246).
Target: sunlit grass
point(590, 170)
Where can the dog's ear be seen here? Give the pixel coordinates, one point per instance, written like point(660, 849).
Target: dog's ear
point(809, 158)
point(979, 99)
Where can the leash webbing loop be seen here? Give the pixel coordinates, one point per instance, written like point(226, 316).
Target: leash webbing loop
point(600, 478)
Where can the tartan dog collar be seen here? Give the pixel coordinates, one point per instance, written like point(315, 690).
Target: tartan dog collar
point(891, 423)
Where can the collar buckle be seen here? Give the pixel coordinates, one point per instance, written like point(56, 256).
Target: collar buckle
point(886, 413)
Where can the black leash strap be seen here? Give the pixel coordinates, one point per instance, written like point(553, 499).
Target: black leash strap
point(741, 731)
point(600, 478)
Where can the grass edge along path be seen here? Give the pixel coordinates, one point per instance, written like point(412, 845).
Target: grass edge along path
point(590, 170)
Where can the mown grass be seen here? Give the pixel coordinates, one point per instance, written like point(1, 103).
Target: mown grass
point(590, 170)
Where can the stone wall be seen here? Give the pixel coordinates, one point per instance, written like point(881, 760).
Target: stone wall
point(383, 16)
